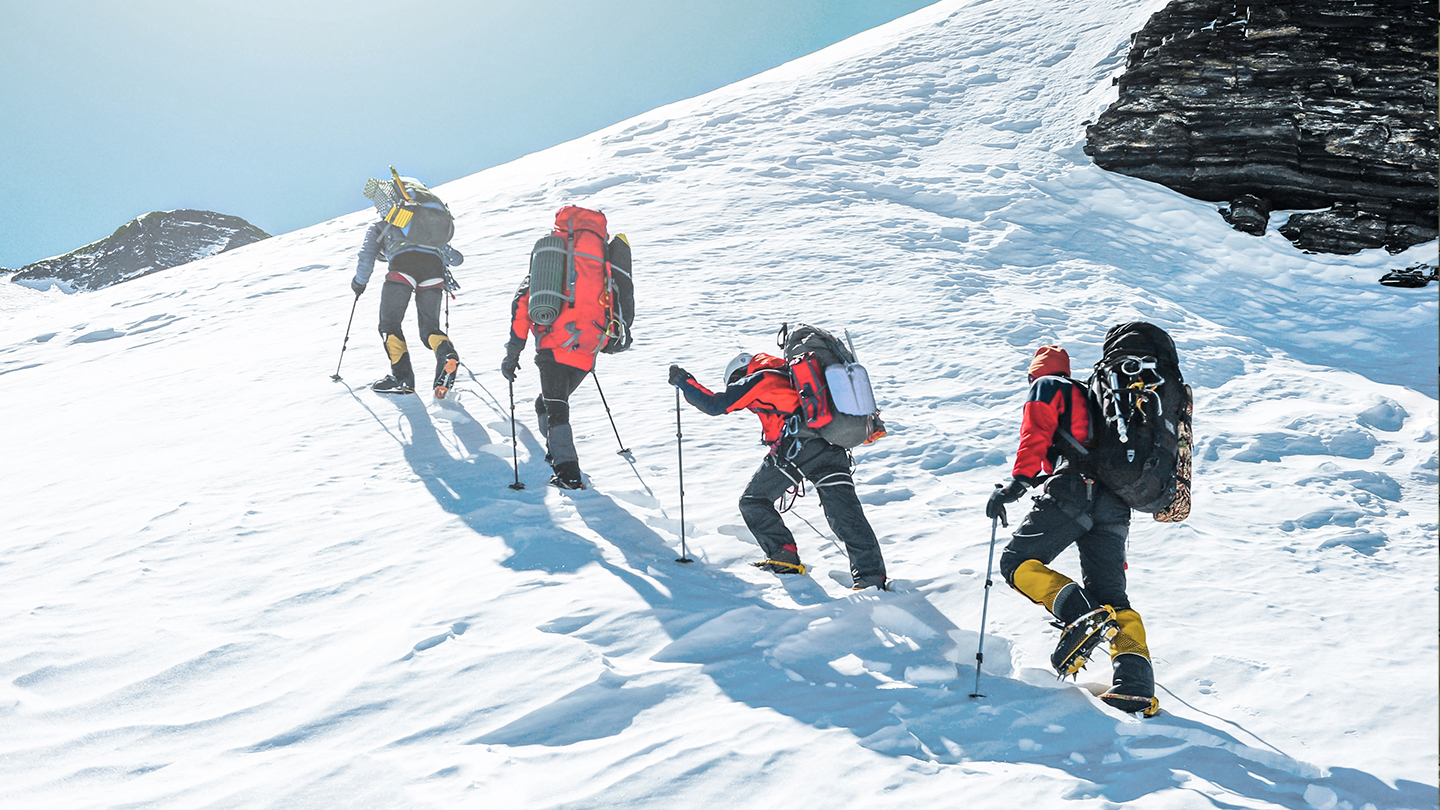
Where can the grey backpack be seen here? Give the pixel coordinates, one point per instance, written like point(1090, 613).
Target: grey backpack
point(836, 402)
point(418, 219)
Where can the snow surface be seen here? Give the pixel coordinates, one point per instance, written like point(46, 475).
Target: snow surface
point(16, 297)
point(230, 581)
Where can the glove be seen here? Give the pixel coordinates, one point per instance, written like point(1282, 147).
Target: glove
point(678, 376)
point(1003, 494)
point(451, 257)
point(511, 363)
point(357, 286)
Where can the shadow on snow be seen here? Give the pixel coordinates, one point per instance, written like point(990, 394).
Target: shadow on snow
point(889, 667)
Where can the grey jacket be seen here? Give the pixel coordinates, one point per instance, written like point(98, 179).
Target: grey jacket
point(376, 246)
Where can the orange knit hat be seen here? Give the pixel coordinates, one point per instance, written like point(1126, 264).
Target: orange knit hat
point(1050, 360)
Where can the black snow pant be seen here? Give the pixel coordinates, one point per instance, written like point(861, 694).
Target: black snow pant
point(395, 298)
point(1087, 514)
point(828, 468)
point(552, 408)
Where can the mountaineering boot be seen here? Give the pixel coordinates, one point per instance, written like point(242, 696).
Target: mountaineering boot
point(876, 581)
point(1133, 689)
point(778, 567)
point(567, 476)
point(391, 385)
point(561, 443)
point(445, 376)
point(1080, 637)
point(400, 368)
point(786, 560)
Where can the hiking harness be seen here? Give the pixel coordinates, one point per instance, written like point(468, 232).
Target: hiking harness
point(785, 463)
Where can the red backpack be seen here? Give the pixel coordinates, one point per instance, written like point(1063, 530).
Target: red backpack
point(573, 292)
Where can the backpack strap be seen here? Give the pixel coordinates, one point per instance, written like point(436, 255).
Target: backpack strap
point(1071, 448)
point(1075, 445)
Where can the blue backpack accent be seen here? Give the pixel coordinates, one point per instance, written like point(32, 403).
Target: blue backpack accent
point(418, 219)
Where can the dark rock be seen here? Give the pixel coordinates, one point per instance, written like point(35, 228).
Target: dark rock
point(1416, 275)
point(148, 244)
point(1345, 228)
point(1247, 213)
point(1301, 103)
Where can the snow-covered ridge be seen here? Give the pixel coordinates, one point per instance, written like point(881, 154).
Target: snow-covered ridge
point(230, 580)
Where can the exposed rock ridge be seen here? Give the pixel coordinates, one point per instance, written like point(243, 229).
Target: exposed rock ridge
point(1300, 104)
point(148, 244)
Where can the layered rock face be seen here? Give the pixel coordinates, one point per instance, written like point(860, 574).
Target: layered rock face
point(148, 244)
point(1289, 104)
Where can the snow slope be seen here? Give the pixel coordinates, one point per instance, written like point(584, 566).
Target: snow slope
point(14, 297)
point(230, 581)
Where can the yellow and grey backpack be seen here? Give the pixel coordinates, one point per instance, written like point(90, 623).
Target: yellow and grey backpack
point(418, 219)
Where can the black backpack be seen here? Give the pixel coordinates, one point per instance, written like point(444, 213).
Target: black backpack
point(1140, 406)
point(622, 296)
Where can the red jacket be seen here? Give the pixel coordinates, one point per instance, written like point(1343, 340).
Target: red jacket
point(1056, 403)
point(765, 390)
point(581, 330)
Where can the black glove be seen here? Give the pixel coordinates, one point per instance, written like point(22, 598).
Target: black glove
point(357, 286)
point(511, 363)
point(1003, 494)
point(678, 376)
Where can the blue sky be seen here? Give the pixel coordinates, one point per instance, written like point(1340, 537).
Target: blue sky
point(277, 110)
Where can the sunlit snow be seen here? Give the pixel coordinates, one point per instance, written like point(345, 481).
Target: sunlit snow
point(227, 580)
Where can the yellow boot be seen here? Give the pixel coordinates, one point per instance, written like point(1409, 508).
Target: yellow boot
point(402, 377)
point(1133, 688)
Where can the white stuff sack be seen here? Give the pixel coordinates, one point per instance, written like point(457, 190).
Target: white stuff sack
point(849, 385)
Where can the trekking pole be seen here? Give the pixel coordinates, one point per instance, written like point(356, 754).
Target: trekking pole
point(348, 324)
point(514, 445)
point(623, 451)
point(680, 453)
point(984, 611)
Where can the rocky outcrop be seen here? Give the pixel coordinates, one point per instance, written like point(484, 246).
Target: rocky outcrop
point(1289, 104)
point(148, 244)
